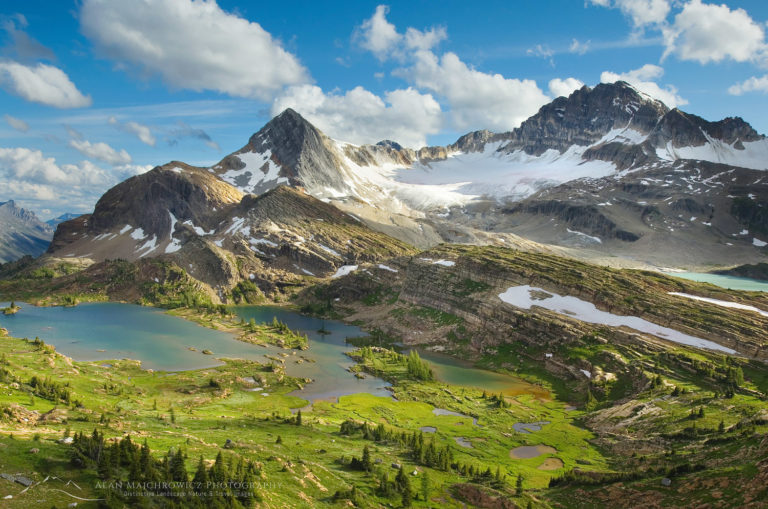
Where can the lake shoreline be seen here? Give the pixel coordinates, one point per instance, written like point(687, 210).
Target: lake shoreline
point(234, 330)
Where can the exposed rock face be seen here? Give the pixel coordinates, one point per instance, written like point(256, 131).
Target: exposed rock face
point(584, 118)
point(687, 130)
point(646, 182)
point(588, 218)
point(145, 201)
point(21, 233)
point(476, 141)
point(304, 155)
point(218, 235)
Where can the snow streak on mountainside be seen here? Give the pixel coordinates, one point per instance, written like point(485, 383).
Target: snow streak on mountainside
point(591, 134)
point(747, 155)
point(606, 169)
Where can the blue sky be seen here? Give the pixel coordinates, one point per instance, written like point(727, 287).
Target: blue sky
point(95, 91)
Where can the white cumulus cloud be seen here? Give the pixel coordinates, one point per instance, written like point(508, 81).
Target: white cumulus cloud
point(100, 151)
point(753, 84)
point(359, 116)
point(31, 165)
point(644, 80)
point(378, 35)
point(192, 45)
point(641, 12)
point(38, 182)
point(42, 83)
point(424, 40)
point(16, 123)
point(563, 87)
point(142, 132)
point(476, 99)
point(711, 33)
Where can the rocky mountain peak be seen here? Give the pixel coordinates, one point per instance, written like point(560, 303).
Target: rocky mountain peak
point(476, 140)
point(584, 117)
point(391, 144)
point(11, 209)
point(288, 125)
point(146, 201)
point(287, 150)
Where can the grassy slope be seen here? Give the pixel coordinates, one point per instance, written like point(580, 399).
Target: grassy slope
point(122, 398)
point(653, 423)
point(629, 415)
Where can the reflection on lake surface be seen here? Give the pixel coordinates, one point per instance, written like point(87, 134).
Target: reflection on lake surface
point(105, 330)
point(330, 369)
point(458, 372)
point(102, 331)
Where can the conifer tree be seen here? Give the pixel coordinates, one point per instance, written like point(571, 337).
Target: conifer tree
point(177, 468)
point(425, 487)
point(367, 460)
point(201, 475)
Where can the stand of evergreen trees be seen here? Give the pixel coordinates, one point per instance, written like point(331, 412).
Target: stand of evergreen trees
point(135, 478)
point(415, 366)
point(422, 451)
point(50, 390)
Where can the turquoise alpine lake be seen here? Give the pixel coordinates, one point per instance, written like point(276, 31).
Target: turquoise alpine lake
point(102, 331)
point(730, 282)
point(105, 331)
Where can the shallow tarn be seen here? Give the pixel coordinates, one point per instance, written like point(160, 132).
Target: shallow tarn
point(525, 452)
point(528, 427)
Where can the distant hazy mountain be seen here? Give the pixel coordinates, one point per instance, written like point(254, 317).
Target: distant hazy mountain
point(21, 233)
point(64, 217)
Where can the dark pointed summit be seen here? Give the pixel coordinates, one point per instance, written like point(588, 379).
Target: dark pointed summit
point(287, 126)
point(303, 154)
point(585, 116)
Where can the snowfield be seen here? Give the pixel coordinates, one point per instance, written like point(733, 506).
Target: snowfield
point(521, 296)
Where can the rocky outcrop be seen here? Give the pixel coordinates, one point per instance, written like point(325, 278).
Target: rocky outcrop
point(145, 201)
point(586, 218)
point(756, 271)
point(687, 130)
point(220, 237)
point(622, 155)
point(476, 141)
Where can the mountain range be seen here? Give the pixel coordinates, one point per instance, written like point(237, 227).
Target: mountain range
point(607, 173)
point(21, 233)
point(60, 219)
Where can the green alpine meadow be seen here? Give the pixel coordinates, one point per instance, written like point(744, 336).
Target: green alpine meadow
point(490, 255)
